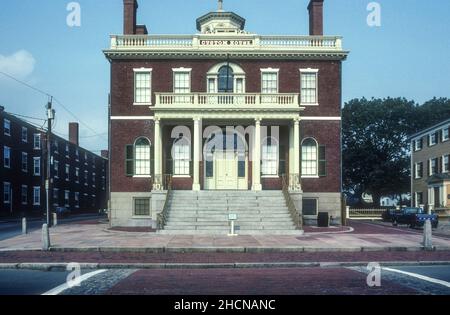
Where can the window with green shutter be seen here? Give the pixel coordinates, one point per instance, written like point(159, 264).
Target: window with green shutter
point(129, 160)
point(322, 161)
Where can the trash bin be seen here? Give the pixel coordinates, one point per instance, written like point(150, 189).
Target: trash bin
point(323, 219)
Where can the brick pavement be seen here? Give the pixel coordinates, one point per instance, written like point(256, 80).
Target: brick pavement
point(94, 236)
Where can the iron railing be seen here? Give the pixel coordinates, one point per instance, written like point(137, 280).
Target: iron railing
point(163, 215)
point(295, 215)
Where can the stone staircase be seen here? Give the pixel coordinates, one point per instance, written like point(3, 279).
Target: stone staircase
point(206, 212)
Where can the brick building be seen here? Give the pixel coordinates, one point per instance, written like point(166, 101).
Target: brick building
point(273, 101)
point(430, 175)
point(79, 176)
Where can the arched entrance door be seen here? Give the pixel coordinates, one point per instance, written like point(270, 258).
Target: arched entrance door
point(226, 162)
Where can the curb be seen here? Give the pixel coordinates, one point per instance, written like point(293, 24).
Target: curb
point(264, 265)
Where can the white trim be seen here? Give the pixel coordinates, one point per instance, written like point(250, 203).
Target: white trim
point(181, 176)
point(270, 70)
point(308, 176)
point(142, 69)
point(142, 176)
point(182, 69)
point(270, 176)
point(132, 117)
point(323, 118)
point(308, 70)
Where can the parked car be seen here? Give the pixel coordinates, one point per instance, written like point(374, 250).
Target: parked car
point(387, 215)
point(414, 217)
point(62, 211)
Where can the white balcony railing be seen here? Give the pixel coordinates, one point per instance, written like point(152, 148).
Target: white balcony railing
point(226, 99)
point(234, 42)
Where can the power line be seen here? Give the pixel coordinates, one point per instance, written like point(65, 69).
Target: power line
point(28, 117)
point(96, 134)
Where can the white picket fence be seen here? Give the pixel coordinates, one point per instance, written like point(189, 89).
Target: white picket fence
point(364, 214)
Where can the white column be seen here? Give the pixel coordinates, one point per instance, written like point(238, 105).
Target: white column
point(257, 157)
point(197, 152)
point(157, 181)
point(295, 180)
point(291, 149)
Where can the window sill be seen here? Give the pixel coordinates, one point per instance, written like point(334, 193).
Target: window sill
point(310, 177)
point(309, 104)
point(142, 104)
point(270, 176)
point(181, 176)
point(141, 217)
point(142, 176)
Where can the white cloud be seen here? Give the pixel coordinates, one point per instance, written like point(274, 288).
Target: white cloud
point(20, 64)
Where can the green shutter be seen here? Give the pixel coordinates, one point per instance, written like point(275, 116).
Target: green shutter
point(129, 167)
point(322, 161)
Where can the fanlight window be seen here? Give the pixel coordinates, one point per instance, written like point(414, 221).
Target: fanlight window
point(309, 158)
point(226, 80)
point(142, 157)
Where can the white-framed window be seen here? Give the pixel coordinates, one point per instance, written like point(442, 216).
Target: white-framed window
point(310, 206)
point(418, 170)
point(67, 198)
point(141, 207)
point(309, 86)
point(445, 163)
point(212, 85)
point(25, 162)
point(85, 158)
point(86, 176)
point(67, 172)
point(418, 144)
point(24, 134)
point(142, 161)
point(37, 196)
point(269, 81)
point(93, 179)
point(7, 157)
point(67, 149)
point(55, 146)
point(433, 166)
point(7, 192)
point(24, 194)
point(309, 158)
point(37, 166)
point(37, 141)
point(432, 139)
point(55, 196)
point(142, 86)
point(56, 169)
point(77, 199)
point(181, 157)
point(269, 159)
point(418, 199)
point(182, 80)
point(77, 175)
point(77, 155)
point(446, 134)
point(7, 127)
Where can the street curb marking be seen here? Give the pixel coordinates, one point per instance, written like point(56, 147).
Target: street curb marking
point(65, 286)
point(418, 276)
point(254, 265)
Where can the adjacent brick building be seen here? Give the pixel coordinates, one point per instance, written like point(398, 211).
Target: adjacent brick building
point(169, 91)
point(430, 170)
point(79, 177)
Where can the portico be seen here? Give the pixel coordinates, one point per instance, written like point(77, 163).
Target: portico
point(226, 151)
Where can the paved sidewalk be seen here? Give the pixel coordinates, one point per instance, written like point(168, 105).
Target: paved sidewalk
point(97, 237)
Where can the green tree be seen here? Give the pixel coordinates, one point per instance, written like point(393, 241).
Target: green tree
point(375, 146)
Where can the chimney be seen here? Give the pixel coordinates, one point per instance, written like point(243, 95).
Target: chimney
point(105, 154)
point(73, 133)
point(130, 11)
point(315, 9)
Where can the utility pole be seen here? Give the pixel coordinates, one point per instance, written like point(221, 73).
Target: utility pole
point(50, 117)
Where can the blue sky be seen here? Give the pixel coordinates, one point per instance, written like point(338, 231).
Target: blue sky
point(408, 55)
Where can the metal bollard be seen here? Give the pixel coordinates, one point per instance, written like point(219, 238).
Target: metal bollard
point(45, 237)
point(24, 226)
point(427, 236)
point(55, 219)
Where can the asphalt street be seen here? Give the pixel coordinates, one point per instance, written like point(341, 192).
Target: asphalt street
point(405, 280)
point(11, 229)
